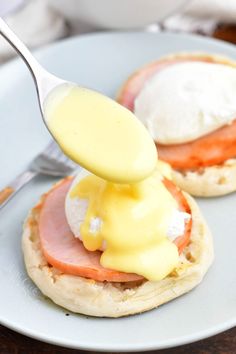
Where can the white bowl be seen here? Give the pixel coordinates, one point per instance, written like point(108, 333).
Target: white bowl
point(113, 14)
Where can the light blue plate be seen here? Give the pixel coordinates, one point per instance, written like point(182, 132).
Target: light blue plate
point(102, 62)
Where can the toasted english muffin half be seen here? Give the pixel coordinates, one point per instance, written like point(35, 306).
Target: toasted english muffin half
point(104, 299)
point(209, 181)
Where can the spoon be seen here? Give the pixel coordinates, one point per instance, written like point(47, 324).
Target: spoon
point(93, 130)
point(44, 81)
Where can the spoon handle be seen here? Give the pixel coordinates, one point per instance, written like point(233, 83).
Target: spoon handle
point(44, 81)
point(19, 46)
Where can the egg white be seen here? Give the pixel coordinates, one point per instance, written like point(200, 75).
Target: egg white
point(187, 100)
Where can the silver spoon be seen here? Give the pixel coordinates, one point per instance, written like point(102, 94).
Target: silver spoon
point(44, 81)
point(131, 161)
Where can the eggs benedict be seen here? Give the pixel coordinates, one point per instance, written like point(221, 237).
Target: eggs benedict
point(105, 249)
point(187, 102)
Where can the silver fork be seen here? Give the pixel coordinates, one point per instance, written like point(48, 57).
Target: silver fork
point(50, 162)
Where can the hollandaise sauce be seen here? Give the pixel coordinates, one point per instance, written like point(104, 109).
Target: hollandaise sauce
point(133, 223)
point(99, 134)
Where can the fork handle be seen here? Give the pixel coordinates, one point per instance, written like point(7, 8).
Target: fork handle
point(8, 192)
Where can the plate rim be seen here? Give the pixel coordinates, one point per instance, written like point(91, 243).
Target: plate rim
point(39, 52)
point(175, 342)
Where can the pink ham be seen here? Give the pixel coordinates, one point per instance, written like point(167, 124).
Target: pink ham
point(67, 253)
point(62, 250)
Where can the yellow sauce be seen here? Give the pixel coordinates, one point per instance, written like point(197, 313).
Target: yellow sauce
point(134, 222)
point(100, 135)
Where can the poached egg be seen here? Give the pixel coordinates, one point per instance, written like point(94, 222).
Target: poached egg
point(187, 100)
point(134, 225)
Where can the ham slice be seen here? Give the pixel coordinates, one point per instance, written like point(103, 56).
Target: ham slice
point(67, 253)
point(211, 149)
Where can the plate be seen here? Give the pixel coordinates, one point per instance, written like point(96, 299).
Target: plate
point(102, 62)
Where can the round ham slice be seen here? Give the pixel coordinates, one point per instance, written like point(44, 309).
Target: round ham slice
point(67, 253)
point(212, 149)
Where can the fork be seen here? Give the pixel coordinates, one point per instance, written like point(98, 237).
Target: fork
point(50, 162)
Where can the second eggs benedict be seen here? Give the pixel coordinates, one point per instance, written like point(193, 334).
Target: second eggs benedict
point(187, 102)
